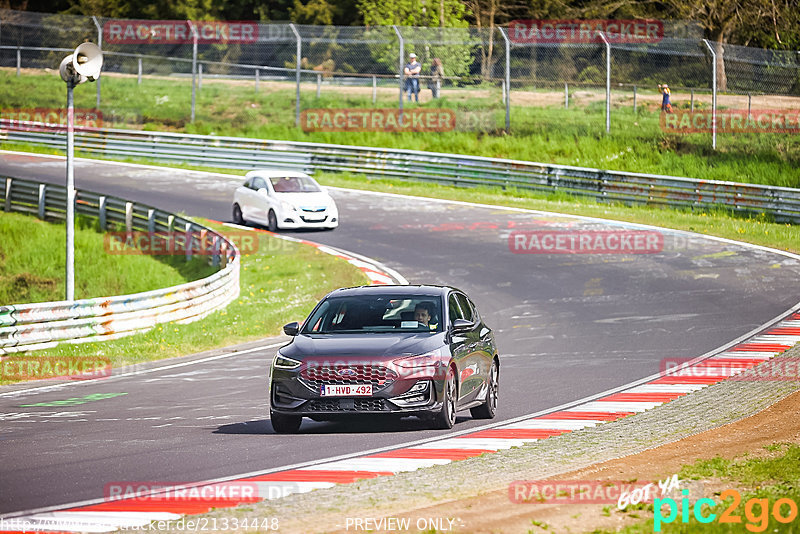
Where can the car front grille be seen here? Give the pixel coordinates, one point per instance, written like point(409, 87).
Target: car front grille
point(314, 377)
point(313, 219)
point(347, 405)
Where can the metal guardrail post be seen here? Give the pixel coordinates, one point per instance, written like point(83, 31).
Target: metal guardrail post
point(151, 221)
point(400, 71)
point(298, 64)
point(42, 193)
point(100, 44)
point(608, 81)
point(7, 203)
point(102, 213)
point(194, 63)
point(507, 79)
point(713, 94)
point(129, 217)
point(187, 236)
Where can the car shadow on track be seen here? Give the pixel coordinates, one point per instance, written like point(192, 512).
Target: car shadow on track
point(354, 425)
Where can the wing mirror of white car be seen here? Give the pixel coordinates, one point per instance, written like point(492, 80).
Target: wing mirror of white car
point(263, 191)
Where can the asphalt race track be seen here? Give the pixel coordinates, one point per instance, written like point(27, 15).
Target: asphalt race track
point(568, 326)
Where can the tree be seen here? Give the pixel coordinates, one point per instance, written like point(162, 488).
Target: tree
point(488, 14)
point(419, 18)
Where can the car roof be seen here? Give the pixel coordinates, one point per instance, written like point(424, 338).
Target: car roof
point(275, 173)
point(393, 290)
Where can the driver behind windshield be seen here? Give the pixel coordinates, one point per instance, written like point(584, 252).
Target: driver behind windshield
point(423, 313)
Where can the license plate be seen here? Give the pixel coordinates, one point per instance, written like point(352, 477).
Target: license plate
point(347, 390)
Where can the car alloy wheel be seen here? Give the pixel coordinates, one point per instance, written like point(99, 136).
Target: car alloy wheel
point(285, 424)
point(273, 222)
point(446, 418)
point(237, 214)
point(488, 409)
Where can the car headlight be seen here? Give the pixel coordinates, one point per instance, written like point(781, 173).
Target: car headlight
point(287, 207)
point(282, 362)
point(429, 359)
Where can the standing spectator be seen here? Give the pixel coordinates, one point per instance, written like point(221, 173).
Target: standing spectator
point(665, 105)
point(412, 70)
point(437, 75)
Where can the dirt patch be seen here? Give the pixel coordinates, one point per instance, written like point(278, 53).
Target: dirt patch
point(21, 285)
point(494, 512)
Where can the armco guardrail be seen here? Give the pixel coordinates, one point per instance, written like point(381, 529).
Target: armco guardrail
point(34, 326)
point(782, 203)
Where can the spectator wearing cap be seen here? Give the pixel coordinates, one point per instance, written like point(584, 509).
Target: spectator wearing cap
point(665, 105)
point(411, 71)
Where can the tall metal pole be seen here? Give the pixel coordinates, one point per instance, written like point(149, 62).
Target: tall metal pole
point(100, 44)
point(402, 56)
point(297, 67)
point(713, 94)
point(70, 294)
point(194, 64)
point(608, 82)
point(508, 80)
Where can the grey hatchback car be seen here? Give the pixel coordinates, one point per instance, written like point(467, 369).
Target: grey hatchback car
point(419, 350)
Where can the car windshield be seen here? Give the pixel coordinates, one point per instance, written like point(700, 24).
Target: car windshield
point(294, 184)
point(382, 313)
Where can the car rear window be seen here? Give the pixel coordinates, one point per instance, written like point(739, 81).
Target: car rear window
point(384, 313)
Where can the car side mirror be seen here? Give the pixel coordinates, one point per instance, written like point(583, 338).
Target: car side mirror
point(263, 191)
point(291, 329)
point(461, 325)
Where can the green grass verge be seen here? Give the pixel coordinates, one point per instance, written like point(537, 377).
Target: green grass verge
point(574, 136)
point(33, 255)
point(765, 480)
point(280, 282)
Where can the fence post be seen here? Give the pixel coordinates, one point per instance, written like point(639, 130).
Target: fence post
point(374, 89)
point(139, 75)
point(297, 75)
point(200, 76)
point(215, 257)
point(508, 79)
point(400, 71)
point(566, 95)
point(319, 83)
point(42, 192)
point(749, 102)
point(713, 94)
point(258, 76)
point(100, 45)
point(608, 81)
point(151, 221)
point(19, 60)
point(692, 102)
point(102, 213)
point(194, 63)
point(634, 99)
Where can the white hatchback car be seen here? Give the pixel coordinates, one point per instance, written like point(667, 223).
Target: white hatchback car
point(283, 200)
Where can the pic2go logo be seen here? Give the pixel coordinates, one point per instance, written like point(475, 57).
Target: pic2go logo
point(756, 511)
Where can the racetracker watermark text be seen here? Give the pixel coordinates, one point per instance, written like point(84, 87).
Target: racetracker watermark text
point(732, 121)
point(586, 242)
point(55, 367)
point(179, 32)
point(49, 119)
point(586, 31)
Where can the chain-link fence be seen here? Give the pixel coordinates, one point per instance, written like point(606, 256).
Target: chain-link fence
point(489, 79)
